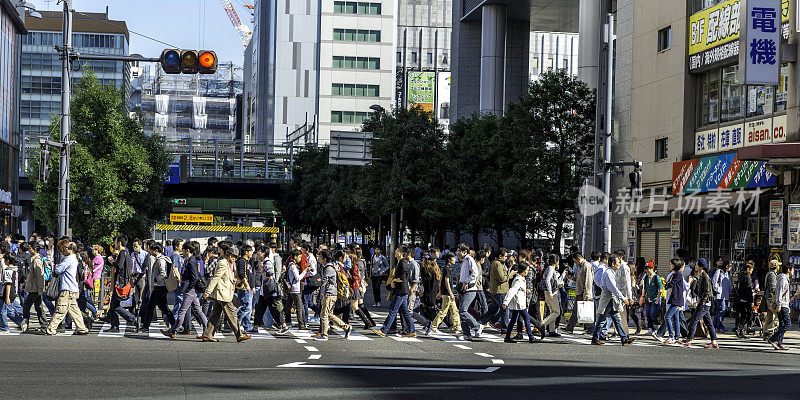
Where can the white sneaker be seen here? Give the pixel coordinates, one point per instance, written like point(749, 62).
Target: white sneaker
point(655, 336)
point(479, 330)
point(24, 326)
point(670, 341)
point(377, 304)
point(321, 339)
point(5, 332)
point(435, 332)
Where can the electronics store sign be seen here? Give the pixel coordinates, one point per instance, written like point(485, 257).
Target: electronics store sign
point(751, 133)
point(714, 33)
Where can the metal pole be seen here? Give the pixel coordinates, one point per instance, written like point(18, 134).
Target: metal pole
point(405, 78)
point(216, 157)
point(63, 181)
point(241, 159)
point(436, 73)
point(607, 144)
point(191, 156)
point(393, 244)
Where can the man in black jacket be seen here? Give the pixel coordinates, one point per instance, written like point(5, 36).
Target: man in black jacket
point(703, 310)
point(121, 260)
point(189, 290)
point(744, 289)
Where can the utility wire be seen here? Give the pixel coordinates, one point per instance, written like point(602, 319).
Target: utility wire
point(129, 30)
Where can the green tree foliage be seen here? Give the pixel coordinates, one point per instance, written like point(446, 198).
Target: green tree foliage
point(116, 171)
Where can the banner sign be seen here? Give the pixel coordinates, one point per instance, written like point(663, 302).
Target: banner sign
point(717, 173)
point(751, 133)
point(420, 89)
point(675, 228)
point(793, 228)
point(191, 218)
point(706, 141)
point(713, 35)
point(776, 222)
point(759, 60)
point(173, 176)
point(730, 137)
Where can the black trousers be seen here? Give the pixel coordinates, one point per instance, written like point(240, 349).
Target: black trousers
point(376, 288)
point(271, 303)
point(34, 300)
point(157, 298)
point(744, 314)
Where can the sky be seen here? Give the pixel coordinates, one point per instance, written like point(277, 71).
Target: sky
point(176, 22)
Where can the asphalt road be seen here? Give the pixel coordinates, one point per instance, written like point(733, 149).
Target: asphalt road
point(367, 367)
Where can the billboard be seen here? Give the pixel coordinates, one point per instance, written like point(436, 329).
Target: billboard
point(714, 35)
point(420, 89)
point(720, 172)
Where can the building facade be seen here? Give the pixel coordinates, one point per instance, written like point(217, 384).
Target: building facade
point(12, 28)
point(332, 59)
point(553, 50)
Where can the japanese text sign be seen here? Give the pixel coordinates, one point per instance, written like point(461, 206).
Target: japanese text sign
point(759, 56)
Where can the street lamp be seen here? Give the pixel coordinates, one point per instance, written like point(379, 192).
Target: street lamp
point(31, 9)
point(377, 107)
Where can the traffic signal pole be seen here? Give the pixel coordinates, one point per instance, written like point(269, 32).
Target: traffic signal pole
point(63, 173)
point(608, 127)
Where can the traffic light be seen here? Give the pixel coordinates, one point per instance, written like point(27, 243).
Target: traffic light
point(171, 61)
point(635, 178)
point(44, 164)
point(208, 62)
point(189, 62)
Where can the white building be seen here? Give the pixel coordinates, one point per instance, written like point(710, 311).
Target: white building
point(553, 50)
point(335, 62)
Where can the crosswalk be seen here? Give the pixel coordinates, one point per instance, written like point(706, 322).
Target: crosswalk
point(725, 341)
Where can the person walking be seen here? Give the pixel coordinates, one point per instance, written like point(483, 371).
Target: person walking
point(244, 288)
point(10, 307)
point(400, 295)
point(122, 267)
point(552, 296)
point(770, 301)
point(356, 286)
point(380, 267)
point(330, 293)
point(498, 287)
point(611, 299)
point(157, 286)
point(220, 290)
point(190, 282)
point(722, 290)
point(625, 285)
point(677, 300)
point(516, 300)
point(584, 280)
point(67, 303)
point(468, 290)
point(139, 257)
point(293, 286)
point(744, 305)
point(448, 298)
point(783, 300)
point(431, 289)
point(34, 288)
point(705, 297)
point(652, 297)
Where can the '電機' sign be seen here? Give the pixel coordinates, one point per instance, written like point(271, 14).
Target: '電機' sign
point(760, 42)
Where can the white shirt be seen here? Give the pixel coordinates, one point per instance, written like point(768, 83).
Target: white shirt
point(623, 279)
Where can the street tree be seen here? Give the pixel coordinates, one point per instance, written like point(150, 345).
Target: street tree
point(116, 171)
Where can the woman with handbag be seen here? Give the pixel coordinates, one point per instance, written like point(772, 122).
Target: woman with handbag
point(356, 292)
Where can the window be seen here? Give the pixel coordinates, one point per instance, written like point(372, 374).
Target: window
point(664, 38)
point(356, 62)
point(732, 95)
point(430, 58)
point(399, 57)
point(414, 57)
point(661, 149)
point(783, 89)
point(356, 35)
point(358, 90)
point(759, 100)
point(349, 117)
point(354, 7)
point(709, 93)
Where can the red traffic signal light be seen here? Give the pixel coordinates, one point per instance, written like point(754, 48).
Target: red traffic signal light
point(208, 62)
point(171, 61)
point(189, 62)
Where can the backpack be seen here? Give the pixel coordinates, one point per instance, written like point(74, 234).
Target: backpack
point(663, 287)
point(47, 266)
point(342, 285)
point(283, 280)
point(173, 276)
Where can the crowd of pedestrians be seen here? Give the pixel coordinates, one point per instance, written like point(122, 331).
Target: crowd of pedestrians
point(465, 291)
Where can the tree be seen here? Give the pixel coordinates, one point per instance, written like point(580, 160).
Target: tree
point(116, 171)
point(558, 114)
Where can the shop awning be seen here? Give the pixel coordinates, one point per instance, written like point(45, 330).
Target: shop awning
point(773, 153)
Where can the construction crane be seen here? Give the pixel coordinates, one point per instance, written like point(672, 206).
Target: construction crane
point(244, 32)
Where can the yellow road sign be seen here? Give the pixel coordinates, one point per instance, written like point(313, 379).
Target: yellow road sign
point(191, 218)
point(216, 228)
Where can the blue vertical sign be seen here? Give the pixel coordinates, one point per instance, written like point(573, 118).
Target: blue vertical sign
point(173, 176)
point(759, 55)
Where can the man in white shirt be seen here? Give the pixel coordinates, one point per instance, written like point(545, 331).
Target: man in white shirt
point(623, 279)
point(611, 300)
point(468, 290)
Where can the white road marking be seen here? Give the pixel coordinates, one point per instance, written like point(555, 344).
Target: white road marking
point(311, 348)
point(354, 335)
point(462, 347)
point(154, 332)
point(315, 356)
point(107, 326)
point(484, 355)
point(300, 341)
point(497, 361)
point(302, 364)
point(262, 334)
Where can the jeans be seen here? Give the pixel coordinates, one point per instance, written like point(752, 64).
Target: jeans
point(157, 298)
point(701, 312)
point(116, 308)
point(783, 325)
point(608, 307)
point(308, 302)
point(468, 322)
point(34, 300)
point(246, 310)
point(11, 311)
point(398, 304)
point(190, 300)
point(651, 310)
point(526, 318)
point(720, 315)
point(377, 281)
point(672, 321)
point(496, 311)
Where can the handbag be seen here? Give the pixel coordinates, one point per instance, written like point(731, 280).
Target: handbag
point(585, 312)
point(123, 292)
point(53, 288)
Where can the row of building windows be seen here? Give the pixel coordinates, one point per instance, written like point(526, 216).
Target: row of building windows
point(78, 40)
point(356, 35)
point(39, 109)
point(356, 7)
point(415, 59)
point(41, 61)
point(349, 117)
point(345, 89)
point(52, 84)
point(356, 62)
point(723, 98)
